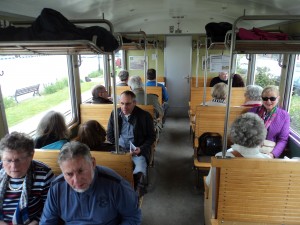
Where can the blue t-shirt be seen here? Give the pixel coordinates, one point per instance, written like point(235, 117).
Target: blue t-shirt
point(165, 96)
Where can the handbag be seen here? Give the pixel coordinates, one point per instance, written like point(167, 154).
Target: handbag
point(267, 146)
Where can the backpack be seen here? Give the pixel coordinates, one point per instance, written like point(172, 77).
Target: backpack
point(209, 144)
point(217, 31)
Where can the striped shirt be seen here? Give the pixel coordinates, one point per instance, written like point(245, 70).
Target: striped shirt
point(42, 177)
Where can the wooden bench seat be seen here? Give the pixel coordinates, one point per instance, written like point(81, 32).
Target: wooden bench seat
point(247, 191)
point(121, 163)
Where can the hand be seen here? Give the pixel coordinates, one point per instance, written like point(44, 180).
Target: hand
point(271, 155)
point(136, 151)
point(3, 223)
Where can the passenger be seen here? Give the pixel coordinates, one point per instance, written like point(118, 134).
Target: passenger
point(151, 76)
point(253, 96)
point(219, 95)
point(100, 95)
point(237, 80)
point(136, 127)
point(136, 85)
point(93, 135)
point(52, 132)
point(123, 76)
point(222, 78)
point(277, 120)
point(88, 194)
point(247, 133)
point(24, 182)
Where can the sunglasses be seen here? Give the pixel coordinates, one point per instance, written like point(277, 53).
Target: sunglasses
point(272, 99)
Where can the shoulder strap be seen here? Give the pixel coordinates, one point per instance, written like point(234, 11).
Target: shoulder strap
point(236, 153)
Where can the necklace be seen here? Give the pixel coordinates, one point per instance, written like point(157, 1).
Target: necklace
point(15, 189)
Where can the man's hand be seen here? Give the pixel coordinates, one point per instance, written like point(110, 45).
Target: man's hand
point(137, 151)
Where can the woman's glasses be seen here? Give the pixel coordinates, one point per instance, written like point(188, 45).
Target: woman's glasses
point(272, 99)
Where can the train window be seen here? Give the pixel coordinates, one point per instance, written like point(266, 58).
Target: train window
point(295, 100)
point(267, 70)
point(31, 85)
point(91, 72)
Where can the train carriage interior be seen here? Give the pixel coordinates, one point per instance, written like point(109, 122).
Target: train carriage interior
point(53, 53)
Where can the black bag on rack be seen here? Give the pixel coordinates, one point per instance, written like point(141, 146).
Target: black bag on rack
point(209, 144)
point(217, 31)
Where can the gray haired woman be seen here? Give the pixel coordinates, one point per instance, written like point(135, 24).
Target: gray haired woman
point(247, 134)
point(253, 96)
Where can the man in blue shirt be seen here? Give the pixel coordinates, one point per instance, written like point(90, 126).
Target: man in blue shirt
point(151, 77)
point(89, 194)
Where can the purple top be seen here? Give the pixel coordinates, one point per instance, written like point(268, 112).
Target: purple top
point(278, 131)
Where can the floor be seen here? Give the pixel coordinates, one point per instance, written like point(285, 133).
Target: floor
point(173, 197)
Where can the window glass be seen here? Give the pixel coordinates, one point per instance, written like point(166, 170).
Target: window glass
point(295, 99)
point(242, 66)
point(267, 70)
point(31, 86)
point(91, 73)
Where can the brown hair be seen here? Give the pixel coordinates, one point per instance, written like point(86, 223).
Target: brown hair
point(91, 133)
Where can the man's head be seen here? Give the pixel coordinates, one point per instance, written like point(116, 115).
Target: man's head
point(123, 75)
point(135, 82)
point(77, 165)
point(151, 74)
point(223, 75)
point(99, 91)
point(128, 102)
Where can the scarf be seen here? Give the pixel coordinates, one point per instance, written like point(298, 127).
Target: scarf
point(268, 117)
point(21, 215)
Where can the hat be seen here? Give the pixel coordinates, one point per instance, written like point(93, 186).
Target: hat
point(123, 75)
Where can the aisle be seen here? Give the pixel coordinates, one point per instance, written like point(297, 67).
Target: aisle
point(172, 198)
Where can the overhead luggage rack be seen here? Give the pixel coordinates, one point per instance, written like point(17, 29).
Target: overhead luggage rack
point(68, 47)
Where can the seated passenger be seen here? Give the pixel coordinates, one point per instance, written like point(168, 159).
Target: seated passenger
point(24, 182)
point(89, 194)
point(237, 80)
point(136, 85)
point(247, 133)
point(219, 95)
point(93, 135)
point(253, 96)
point(151, 77)
point(52, 132)
point(123, 76)
point(277, 120)
point(100, 95)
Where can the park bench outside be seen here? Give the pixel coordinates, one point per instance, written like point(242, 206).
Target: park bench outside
point(27, 90)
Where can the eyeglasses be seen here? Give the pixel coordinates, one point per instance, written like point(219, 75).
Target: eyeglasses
point(16, 161)
point(272, 99)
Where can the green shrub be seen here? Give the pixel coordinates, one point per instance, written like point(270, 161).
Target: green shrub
point(9, 102)
point(96, 74)
point(263, 77)
point(58, 85)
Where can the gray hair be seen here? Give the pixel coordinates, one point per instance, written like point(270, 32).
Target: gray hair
point(123, 75)
point(253, 92)
point(219, 91)
point(74, 149)
point(16, 141)
point(135, 82)
point(53, 123)
point(248, 130)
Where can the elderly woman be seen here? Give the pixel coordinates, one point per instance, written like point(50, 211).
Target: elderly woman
point(276, 120)
point(52, 132)
point(247, 133)
point(24, 183)
point(253, 96)
point(93, 135)
point(219, 94)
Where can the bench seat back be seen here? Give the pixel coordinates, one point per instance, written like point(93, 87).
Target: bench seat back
point(253, 191)
point(121, 163)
